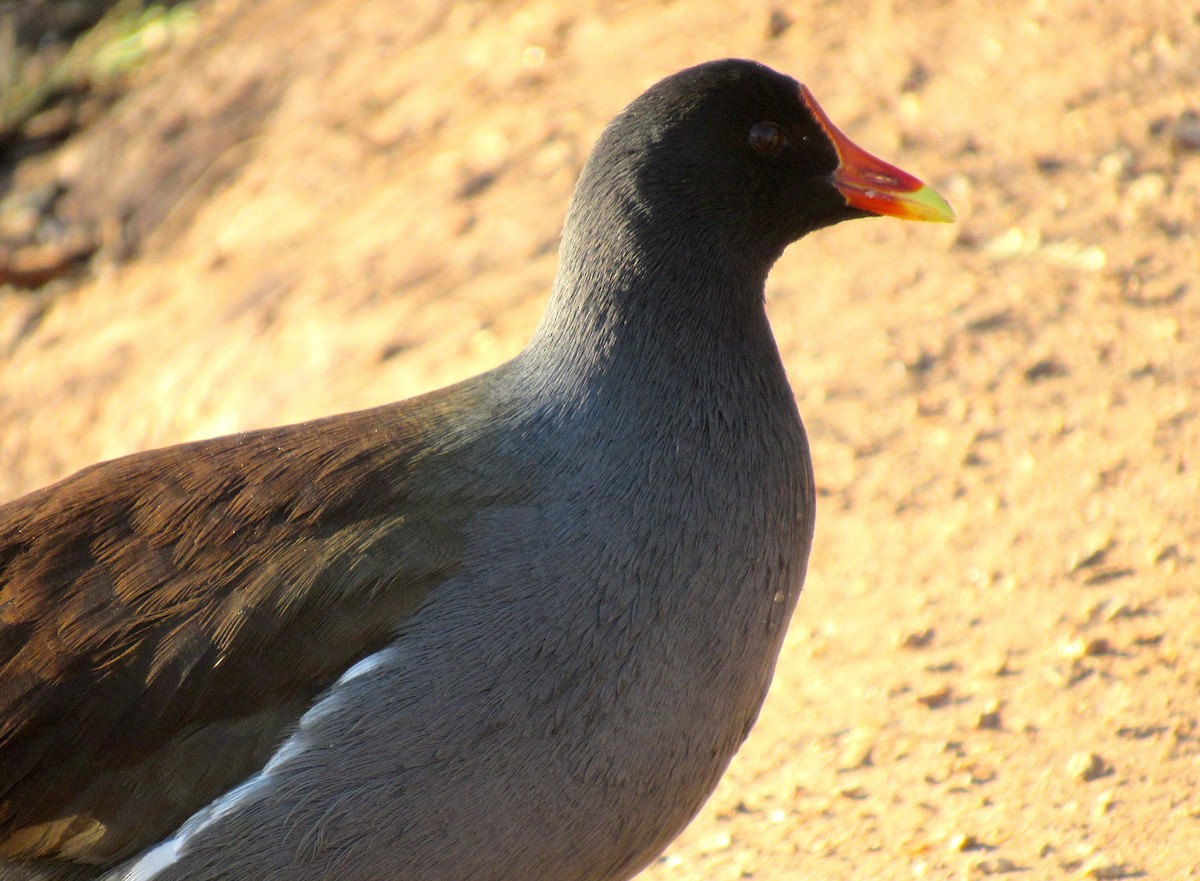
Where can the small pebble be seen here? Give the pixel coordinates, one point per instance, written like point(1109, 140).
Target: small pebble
point(997, 866)
point(1076, 673)
point(1099, 646)
point(989, 719)
point(778, 23)
point(963, 842)
point(918, 639)
point(1091, 558)
point(1106, 871)
point(1072, 649)
point(935, 700)
point(716, 841)
point(856, 756)
point(1088, 648)
point(1088, 766)
point(1185, 134)
point(1000, 665)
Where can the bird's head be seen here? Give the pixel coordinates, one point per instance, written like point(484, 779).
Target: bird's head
point(732, 152)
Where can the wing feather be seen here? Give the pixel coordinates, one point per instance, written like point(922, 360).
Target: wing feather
point(166, 617)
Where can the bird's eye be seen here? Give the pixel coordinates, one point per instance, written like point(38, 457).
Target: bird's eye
point(767, 138)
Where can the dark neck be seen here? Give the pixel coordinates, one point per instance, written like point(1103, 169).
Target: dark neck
point(633, 291)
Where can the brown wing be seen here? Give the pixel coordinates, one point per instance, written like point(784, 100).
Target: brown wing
point(165, 617)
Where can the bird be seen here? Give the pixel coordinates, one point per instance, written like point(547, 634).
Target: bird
point(514, 628)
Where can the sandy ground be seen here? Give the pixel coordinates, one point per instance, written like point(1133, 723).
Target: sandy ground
point(994, 668)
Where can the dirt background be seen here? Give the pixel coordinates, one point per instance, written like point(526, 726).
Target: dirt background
point(307, 206)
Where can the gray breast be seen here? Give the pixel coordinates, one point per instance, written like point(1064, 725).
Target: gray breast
point(565, 705)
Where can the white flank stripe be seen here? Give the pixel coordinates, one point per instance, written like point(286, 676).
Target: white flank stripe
point(162, 855)
point(366, 665)
point(153, 861)
point(291, 747)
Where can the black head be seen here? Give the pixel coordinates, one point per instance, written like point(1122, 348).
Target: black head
point(732, 155)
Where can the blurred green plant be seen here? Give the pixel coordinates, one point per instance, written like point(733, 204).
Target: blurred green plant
point(33, 78)
point(136, 37)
